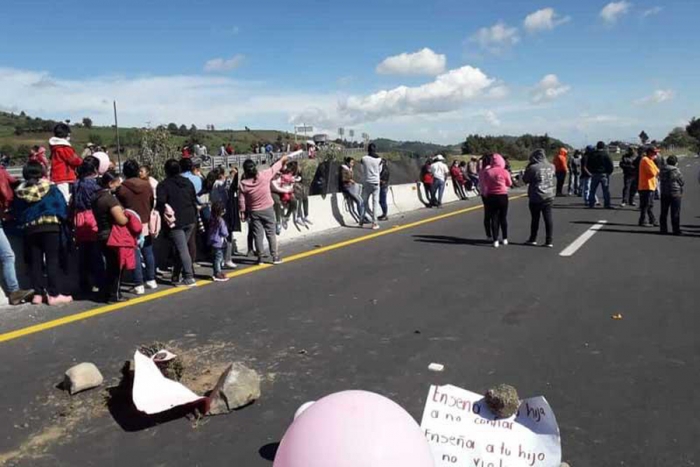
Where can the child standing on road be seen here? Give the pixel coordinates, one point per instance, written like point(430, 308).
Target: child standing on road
point(671, 195)
point(218, 235)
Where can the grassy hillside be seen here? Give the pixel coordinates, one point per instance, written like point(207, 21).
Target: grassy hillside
point(35, 131)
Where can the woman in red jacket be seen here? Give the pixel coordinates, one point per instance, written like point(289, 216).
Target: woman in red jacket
point(108, 212)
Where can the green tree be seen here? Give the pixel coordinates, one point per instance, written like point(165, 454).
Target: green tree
point(679, 138)
point(87, 122)
point(172, 128)
point(644, 137)
point(157, 146)
point(693, 130)
point(182, 131)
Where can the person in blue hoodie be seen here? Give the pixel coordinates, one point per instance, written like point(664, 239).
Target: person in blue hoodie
point(540, 178)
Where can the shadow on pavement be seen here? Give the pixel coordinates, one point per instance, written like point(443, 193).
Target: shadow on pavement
point(269, 451)
point(448, 240)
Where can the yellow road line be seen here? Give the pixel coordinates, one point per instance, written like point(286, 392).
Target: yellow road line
point(166, 293)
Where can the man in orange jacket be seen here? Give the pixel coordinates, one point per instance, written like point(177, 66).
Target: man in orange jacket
point(561, 168)
point(648, 173)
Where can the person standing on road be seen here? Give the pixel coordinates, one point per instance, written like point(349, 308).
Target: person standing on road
point(372, 167)
point(255, 202)
point(426, 178)
point(484, 164)
point(539, 175)
point(497, 181)
point(439, 171)
point(600, 166)
point(629, 171)
point(136, 194)
point(671, 195)
point(586, 175)
point(458, 180)
point(648, 172)
point(575, 174)
point(176, 202)
point(384, 179)
point(15, 295)
point(561, 166)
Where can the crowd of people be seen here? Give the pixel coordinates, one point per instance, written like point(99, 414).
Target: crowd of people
point(77, 209)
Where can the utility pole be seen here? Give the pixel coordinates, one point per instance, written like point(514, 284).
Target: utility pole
point(119, 147)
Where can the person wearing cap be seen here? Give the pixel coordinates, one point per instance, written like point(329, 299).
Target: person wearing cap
point(439, 171)
point(372, 166)
point(88, 151)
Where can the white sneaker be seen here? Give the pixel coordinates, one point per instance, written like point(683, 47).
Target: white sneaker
point(496, 244)
point(138, 290)
point(505, 242)
point(308, 221)
point(375, 226)
point(151, 285)
point(230, 265)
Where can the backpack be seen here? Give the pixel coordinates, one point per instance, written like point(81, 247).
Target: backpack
point(85, 226)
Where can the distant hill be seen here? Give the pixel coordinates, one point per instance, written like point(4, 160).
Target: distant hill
point(19, 132)
point(414, 148)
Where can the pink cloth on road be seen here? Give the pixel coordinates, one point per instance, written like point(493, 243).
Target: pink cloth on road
point(495, 179)
point(255, 194)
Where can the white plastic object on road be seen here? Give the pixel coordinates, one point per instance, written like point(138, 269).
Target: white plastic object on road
point(437, 367)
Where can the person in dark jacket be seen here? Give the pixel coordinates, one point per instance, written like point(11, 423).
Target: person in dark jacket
point(630, 173)
point(540, 176)
point(384, 180)
point(40, 210)
point(600, 166)
point(671, 195)
point(177, 204)
point(137, 194)
point(91, 267)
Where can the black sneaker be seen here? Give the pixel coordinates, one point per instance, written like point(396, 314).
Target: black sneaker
point(20, 296)
point(277, 260)
point(191, 282)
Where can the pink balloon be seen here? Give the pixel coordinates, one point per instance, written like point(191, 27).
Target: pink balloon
point(354, 429)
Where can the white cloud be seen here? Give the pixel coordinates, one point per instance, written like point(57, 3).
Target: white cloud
point(221, 64)
point(423, 62)
point(652, 11)
point(448, 92)
point(548, 89)
point(545, 19)
point(217, 100)
point(496, 38)
point(658, 96)
point(613, 11)
point(491, 117)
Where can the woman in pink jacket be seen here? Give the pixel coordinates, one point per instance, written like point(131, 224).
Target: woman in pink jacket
point(496, 181)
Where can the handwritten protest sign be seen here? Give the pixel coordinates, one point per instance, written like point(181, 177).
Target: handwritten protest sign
point(462, 431)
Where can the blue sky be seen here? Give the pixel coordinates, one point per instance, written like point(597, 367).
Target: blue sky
point(433, 71)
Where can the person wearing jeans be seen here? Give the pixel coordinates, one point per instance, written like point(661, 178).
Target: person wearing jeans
point(539, 175)
point(439, 170)
point(600, 166)
point(7, 255)
point(136, 194)
point(372, 165)
point(9, 276)
point(180, 240)
point(629, 172)
point(349, 186)
point(384, 178)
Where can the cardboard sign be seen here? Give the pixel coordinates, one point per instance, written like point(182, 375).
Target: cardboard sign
point(462, 431)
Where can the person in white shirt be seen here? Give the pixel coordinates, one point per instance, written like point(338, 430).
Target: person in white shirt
point(439, 170)
point(372, 166)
